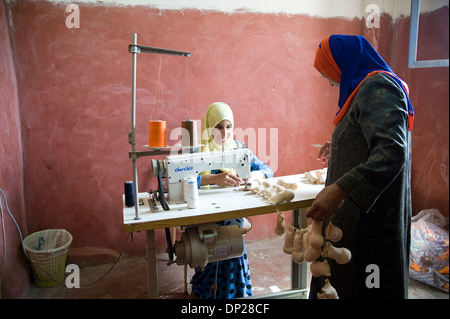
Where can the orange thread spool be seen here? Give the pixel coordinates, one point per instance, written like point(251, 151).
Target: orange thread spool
point(157, 134)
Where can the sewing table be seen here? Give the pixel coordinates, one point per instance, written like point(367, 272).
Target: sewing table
point(217, 204)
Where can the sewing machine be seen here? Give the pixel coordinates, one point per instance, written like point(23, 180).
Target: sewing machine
point(175, 169)
point(178, 167)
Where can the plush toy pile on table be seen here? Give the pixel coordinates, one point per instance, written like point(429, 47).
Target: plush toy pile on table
point(306, 244)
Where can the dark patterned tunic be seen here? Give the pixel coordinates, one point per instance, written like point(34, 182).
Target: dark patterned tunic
point(370, 159)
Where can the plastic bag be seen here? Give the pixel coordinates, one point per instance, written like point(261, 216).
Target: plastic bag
point(433, 216)
point(429, 249)
point(47, 243)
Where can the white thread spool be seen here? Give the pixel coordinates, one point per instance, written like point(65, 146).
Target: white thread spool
point(185, 187)
point(192, 194)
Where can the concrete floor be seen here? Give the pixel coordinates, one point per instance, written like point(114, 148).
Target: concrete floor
point(270, 271)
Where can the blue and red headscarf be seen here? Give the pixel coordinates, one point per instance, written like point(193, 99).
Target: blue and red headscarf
point(349, 60)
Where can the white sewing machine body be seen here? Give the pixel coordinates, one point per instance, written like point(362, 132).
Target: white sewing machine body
point(179, 167)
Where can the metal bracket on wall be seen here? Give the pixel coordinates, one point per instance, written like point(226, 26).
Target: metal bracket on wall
point(134, 49)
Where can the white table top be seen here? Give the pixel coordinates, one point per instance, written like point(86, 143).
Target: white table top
point(216, 204)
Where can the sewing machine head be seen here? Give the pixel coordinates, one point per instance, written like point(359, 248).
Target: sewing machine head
point(179, 167)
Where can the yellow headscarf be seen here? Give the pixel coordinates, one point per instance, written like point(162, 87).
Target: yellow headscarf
point(216, 113)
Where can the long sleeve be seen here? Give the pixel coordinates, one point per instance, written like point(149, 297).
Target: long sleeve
point(381, 113)
point(370, 160)
point(257, 164)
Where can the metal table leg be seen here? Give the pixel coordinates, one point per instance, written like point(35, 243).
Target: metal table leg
point(299, 272)
point(152, 265)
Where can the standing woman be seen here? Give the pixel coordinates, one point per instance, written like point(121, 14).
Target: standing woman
point(368, 187)
point(229, 278)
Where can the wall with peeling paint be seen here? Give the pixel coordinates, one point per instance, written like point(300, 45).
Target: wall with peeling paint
point(74, 94)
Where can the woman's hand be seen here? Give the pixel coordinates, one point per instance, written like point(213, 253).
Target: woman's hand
point(324, 152)
point(326, 203)
point(221, 179)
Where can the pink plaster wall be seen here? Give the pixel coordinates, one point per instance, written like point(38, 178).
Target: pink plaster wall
point(75, 92)
point(75, 99)
point(15, 275)
point(430, 94)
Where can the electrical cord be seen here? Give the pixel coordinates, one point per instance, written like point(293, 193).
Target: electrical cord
point(251, 225)
point(26, 254)
point(4, 247)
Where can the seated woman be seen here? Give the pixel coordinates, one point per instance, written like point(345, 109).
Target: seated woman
point(233, 275)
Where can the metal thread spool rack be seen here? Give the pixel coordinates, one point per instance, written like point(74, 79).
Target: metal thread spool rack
point(134, 49)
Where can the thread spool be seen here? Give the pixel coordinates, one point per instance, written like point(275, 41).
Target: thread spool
point(189, 133)
point(192, 194)
point(186, 180)
point(157, 133)
point(129, 193)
